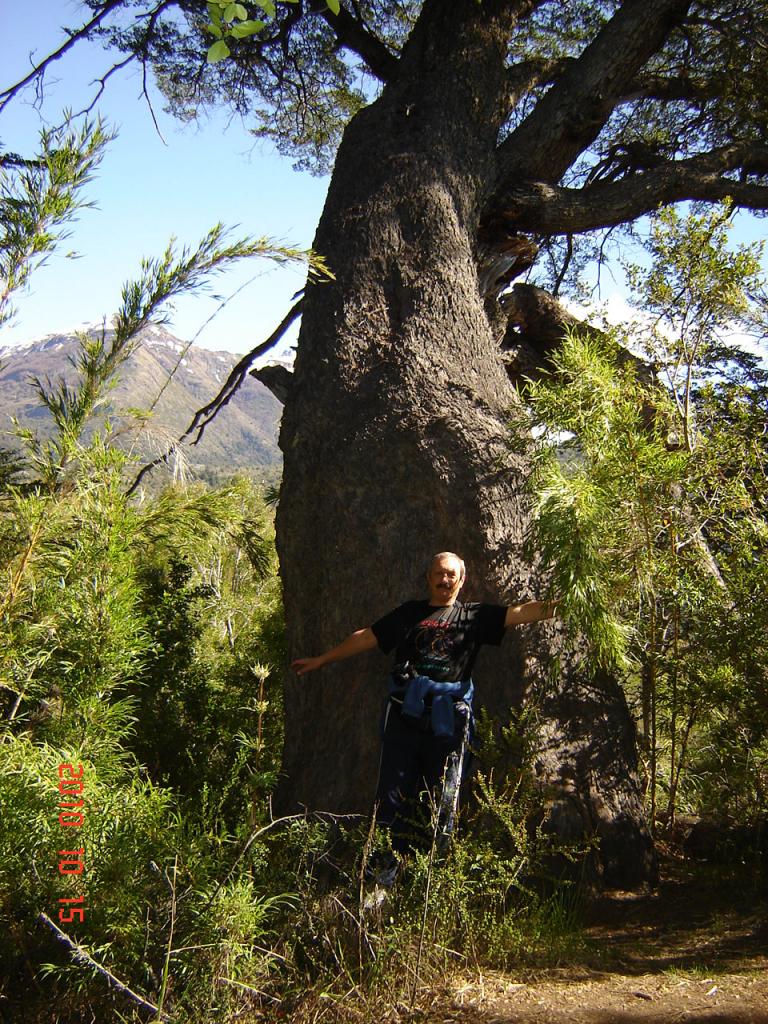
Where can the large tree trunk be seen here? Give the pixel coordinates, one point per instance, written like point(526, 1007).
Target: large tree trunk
point(395, 446)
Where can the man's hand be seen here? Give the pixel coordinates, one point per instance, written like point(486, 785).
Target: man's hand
point(531, 611)
point(304, 665)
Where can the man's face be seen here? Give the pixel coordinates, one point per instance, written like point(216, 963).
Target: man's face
point(445, 581)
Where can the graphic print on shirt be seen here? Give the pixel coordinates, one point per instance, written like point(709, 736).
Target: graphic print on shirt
point(437, 643)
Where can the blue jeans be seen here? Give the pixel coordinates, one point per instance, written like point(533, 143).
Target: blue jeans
point(413, 762)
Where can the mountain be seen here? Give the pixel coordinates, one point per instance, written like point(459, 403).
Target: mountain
point(243, 436)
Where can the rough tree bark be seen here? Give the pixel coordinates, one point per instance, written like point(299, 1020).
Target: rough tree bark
point(395, 442)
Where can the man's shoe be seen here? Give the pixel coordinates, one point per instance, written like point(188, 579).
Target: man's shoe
point(375, 899)
point(383, 869)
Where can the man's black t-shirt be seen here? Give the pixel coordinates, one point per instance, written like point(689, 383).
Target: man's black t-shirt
point(439, 642)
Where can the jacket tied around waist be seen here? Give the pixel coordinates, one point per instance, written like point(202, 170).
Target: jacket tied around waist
point(423, 697)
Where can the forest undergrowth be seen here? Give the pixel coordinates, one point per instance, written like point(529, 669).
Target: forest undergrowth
point(143, 875)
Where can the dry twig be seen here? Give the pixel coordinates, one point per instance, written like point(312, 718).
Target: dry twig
point(84, 959)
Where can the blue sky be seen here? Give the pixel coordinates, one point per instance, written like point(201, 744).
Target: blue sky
point(146, 191)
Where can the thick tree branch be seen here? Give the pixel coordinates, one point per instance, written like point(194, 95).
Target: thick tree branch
point(571, 115)
point(353, 35)
point(553, 210)
point(537, 322)
point(536, 325)
point(529, 73)
point(676, 87)
point(277, 379)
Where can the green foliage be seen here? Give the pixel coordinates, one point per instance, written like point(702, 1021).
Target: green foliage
point(696, 289)
point(280, 64)
point(88, 656)
point(50, 199)
point(600, 494)
point(145, 633)
point(113, 610)
point(651, 512)
point(491, 901)
point(38, 197)
point(163, 279)
point(213, 600)
point(301, 77)
point(231, 20)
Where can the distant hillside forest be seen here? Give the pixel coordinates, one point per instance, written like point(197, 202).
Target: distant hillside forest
point(162, 384)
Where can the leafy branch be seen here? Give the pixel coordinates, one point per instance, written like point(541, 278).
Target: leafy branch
point(145, 301)
point(39, 197)
point(231, 21)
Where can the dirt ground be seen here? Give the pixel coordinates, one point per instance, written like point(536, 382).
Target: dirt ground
point(694, 950)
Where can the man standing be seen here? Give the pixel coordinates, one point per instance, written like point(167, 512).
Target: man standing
point(428, 717)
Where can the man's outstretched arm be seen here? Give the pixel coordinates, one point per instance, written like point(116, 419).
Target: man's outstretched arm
point(531, 611)
point(356, 643)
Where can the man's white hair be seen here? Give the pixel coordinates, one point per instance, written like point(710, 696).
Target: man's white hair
point(449, 554)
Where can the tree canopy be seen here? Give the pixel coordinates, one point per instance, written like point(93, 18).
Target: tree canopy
point(611, 109)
